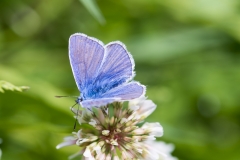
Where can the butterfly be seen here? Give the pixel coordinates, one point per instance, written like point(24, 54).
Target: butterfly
point(103, 73)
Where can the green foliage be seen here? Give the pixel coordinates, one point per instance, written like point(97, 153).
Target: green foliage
point(92, 7)
point(8, 86)
point(187, 54)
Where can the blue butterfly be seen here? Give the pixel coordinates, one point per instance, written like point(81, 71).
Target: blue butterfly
point(103, 73)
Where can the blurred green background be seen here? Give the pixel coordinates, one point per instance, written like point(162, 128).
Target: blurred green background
point(187, 53)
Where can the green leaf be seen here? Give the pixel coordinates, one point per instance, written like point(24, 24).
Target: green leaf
point(92, 7)
point(4, 85)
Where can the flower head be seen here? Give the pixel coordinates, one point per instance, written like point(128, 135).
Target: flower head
point(115, 132)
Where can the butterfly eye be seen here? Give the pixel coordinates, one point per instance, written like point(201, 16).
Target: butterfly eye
point(79, 99)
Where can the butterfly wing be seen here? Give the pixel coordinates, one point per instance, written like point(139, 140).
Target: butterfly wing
point(118, 62)
point(115, 73)
point(86, 55)
point(126, 91)
point(123, 92)
point(116, 69)
point(98, 102)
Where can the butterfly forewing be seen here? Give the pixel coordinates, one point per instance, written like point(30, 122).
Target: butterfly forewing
point(118, 63)
point(86, 55)
point(116, 69)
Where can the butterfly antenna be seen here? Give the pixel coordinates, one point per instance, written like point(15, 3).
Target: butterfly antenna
point(65, 96)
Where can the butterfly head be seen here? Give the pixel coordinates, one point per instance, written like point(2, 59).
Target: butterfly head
point(78, 100)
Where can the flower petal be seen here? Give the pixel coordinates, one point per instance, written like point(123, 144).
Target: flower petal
point(159, 151)
point(142, 107)
point(154, 128)
point(87, 153)
point(67, 143)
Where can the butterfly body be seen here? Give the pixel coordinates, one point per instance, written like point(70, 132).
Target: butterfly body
point(103, 73)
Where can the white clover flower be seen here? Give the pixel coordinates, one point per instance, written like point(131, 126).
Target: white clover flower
point(142, 107)
point(116, 133)
point(159, 151)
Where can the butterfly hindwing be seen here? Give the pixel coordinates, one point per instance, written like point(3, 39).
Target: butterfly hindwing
point(123, 92)
point(98, 102)
point(126, 91)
